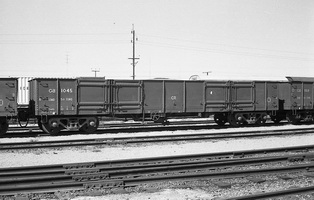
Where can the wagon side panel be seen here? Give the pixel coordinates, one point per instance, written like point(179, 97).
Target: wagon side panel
point(260, 95)
point(242, 96)
point(194, 96)
point(93, 96)
point(272, 98)
point(127, 96)
point(153, 92)
point(67, 97)
point(217, 94)
point(174, 96)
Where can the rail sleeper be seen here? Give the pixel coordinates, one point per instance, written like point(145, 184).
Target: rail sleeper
point(91, 177)
point(79, 166)
point(82, 172)
point(105, 184)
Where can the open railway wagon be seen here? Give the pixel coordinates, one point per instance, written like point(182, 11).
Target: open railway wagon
point(8, 102)
point(78, 103)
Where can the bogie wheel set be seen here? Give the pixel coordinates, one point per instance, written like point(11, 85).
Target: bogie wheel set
point(54, 125)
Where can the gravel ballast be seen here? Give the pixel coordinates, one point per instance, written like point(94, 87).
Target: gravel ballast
point(103, 153)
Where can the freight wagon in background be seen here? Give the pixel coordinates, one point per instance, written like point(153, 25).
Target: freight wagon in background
point(8, 102)
point(78, 103)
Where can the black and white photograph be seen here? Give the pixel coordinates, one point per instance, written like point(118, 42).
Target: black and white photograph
point(156, 100)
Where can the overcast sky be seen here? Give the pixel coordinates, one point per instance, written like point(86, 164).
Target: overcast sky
point(240, 39)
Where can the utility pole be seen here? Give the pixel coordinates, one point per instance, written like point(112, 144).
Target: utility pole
point(95, 71)
point(208, 72)
point(133, 58)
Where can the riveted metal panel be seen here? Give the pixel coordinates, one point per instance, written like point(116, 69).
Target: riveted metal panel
point(174, 96)
point(308, 95)
point(153, 96)
point(260, 95)
point(93, 96)
point(8, 96)
point(272, 96)
point(217, 94)
point(127, 96)
point(242, 96)
point(296, 95)
point(194, 96)
point(53, 96)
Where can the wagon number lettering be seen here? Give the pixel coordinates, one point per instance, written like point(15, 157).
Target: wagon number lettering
point(66, 90)
point(173, 98)
point(52, 90)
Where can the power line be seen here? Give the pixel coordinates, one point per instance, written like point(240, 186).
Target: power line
point(231, 52)
point(26, 42)
point(226, 45)
point(60, 34)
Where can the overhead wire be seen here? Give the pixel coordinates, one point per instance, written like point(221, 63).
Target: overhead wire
point(224, 51)
point(225, 45)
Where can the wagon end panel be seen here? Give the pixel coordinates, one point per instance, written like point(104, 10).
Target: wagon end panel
point(194, 96)
point(53, 96)
point(44, 96)
point(153, 96)
point(93, 96)
point(217, 96)
point(127, 97)
point(8, 96)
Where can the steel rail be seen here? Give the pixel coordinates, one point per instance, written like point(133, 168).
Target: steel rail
point(179, 165)
point(138, 127)
point(117, 172)
point(133, 180)
point(123, 125)
point(150, 139)
point(161, 159)
point(285, 192)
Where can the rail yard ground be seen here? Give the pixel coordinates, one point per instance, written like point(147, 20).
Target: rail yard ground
point(101, 153)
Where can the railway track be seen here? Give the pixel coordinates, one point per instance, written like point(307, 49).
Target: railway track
point(33, 131)
point(216, 168)
point(151, 139)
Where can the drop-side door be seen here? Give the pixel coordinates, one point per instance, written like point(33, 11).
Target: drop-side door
point(217, 94)
point(242, 96)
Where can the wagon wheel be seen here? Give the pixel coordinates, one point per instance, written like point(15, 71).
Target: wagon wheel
point(261, 120)
point(276, 119)
point(4, 126)
point(293, 119)
point(233, 121)
point(40, 124)
point(220, 119)
point(50, 129)
point(91, 126)
point(156, 118)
